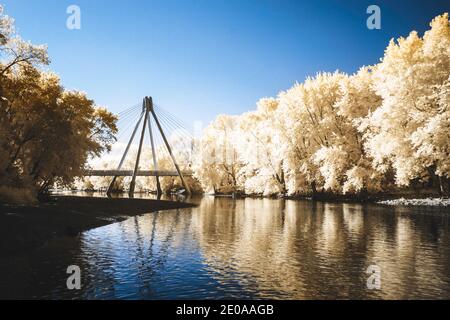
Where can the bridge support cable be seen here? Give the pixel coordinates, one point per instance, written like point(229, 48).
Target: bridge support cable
point(130, 109)
point(127, 124)
point(177, 128)
point(174, 128)
point(169, 115)
point(176, 122)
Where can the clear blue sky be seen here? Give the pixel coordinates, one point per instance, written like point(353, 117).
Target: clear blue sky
point(202, 58)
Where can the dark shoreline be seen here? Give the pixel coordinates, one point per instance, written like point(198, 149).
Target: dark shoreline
point(24, 228)
point(339, 198)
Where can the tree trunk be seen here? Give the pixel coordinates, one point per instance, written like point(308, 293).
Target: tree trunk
point(443, 181)
point(313, 188)
point(283, 182)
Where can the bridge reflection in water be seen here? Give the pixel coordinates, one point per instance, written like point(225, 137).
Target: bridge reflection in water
point(254, 248)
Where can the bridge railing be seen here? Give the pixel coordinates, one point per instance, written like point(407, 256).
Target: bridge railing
point(129, 173)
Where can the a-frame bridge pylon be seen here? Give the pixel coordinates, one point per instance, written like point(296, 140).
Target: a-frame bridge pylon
point(146, 114)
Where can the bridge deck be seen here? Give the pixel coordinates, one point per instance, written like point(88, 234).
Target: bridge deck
point(129, 173)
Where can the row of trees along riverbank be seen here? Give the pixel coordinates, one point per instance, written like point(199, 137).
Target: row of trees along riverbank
point(384, 129)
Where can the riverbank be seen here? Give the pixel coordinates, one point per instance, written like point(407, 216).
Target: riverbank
point(431, 202)
point(425, 197)
point(24, 228)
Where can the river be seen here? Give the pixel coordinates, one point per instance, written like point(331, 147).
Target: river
point(247, 249)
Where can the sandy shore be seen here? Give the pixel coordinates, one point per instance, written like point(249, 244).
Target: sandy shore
point(25, 228)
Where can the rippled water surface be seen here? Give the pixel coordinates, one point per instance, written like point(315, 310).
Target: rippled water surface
point(247, 248)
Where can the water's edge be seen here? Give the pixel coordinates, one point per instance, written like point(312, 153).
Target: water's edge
point(248, 248)
point(26, 228)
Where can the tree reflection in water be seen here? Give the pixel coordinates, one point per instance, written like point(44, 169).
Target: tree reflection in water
point(248, 248)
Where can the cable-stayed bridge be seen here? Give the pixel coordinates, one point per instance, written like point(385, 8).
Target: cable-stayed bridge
point(160, 124)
